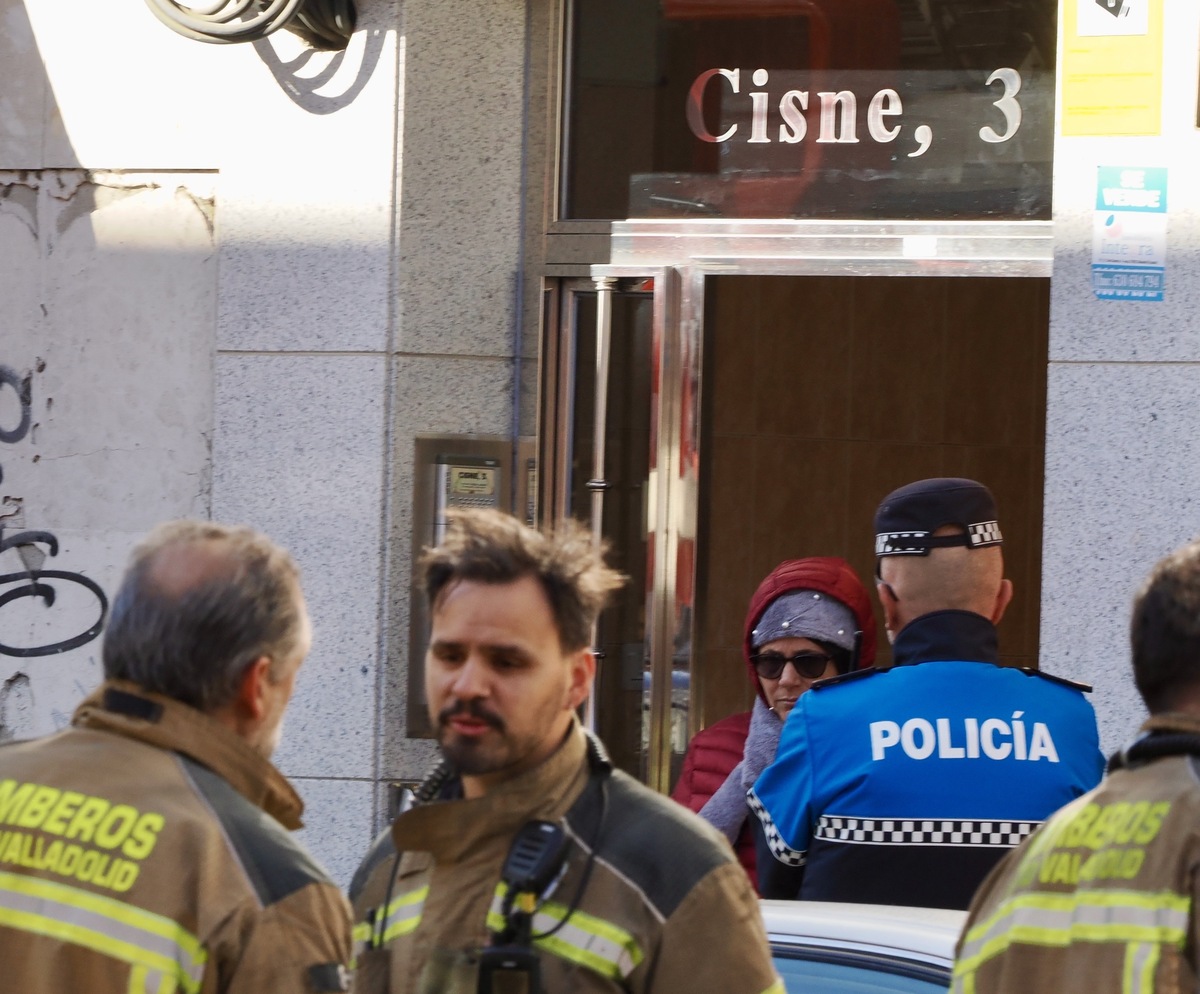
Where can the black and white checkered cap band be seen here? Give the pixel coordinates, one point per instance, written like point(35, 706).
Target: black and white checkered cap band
point(900, 544)
point(779, 849)
point(924, 832)
point(984, 533)
point(918, 543)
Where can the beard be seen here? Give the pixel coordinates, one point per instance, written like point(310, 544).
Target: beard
point(472, 756)
point(269, 742)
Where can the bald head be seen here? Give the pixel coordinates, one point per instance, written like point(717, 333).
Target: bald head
point(955, 578)
point(199, 603)
point(188, 562)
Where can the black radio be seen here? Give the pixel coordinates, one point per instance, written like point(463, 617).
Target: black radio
point(509, 965)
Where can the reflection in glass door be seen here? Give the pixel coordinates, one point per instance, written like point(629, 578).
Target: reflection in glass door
point(614, 490)
point(806, 418)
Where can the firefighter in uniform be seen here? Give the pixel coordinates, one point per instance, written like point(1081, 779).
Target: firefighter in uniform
point(145, 849)
point(527, 863)
point(907, 785)
point(1102, 898)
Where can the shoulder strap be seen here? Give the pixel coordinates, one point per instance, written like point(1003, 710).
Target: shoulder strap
point(1085, 688)
point(841, 678)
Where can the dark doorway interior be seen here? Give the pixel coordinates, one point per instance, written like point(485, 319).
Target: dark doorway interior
point(820, 395)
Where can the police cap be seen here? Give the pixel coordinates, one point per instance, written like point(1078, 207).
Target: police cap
point(908, 517)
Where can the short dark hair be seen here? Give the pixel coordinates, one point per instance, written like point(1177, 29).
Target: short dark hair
point(488, 546)
point(1165, 629)
point(192, 640)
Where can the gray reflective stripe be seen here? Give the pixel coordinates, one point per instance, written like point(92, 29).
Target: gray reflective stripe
point(1120, 918)
point(103, 924)
point(586, 939)
point(1141, 959)
point(1098, 916)
point(402, 915)
point(143, 981)
point(589, 946)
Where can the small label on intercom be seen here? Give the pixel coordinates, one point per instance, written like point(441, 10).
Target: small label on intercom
point(473, 481)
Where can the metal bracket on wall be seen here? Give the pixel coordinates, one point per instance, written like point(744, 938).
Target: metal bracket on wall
point(326, 25)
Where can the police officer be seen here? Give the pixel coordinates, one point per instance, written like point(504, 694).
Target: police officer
point(147, 848)
point(1103, 897)
point(906, 785)
point(529, 864)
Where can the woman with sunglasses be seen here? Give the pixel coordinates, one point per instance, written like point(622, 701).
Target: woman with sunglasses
point(810, 619)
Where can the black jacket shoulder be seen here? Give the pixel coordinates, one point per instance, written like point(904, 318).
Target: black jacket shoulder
point(383, 848)
point(648, 838)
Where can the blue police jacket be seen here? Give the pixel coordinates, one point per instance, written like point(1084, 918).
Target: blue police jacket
point(906, 785)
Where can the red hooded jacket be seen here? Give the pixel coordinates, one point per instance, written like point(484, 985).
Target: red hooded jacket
point(716, 750)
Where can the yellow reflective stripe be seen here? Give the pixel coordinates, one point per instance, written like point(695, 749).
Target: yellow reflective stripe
point(126, 914)
point(360, 937)
point(142, 981)
point(495, 919)
point(598, 927)
point(400, 917)
point(963, 981)
point(102, 924)
point(403, 915)
point(1149, 965)
point(1141, 960)
point(1127, 969)
point(139, 978)
point(1040, 919)
point(585, 939)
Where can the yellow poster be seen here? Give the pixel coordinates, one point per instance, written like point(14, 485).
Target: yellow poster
point(1112, 78)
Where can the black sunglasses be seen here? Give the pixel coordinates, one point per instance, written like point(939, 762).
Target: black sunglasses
point(809, 664)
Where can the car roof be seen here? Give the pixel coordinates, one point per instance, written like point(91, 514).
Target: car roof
point(927, 934)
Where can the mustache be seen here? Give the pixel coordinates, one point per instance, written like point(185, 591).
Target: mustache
point(472, 709)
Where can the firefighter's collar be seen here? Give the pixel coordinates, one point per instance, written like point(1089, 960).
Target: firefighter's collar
point(126, 709)
point(452, 830)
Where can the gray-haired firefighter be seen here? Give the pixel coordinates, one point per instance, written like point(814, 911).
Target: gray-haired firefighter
point(146, 849)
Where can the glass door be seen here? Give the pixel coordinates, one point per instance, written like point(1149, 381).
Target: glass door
point(610, 427)
point(806, 419)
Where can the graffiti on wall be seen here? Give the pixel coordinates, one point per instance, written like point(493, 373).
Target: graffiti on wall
point(32, 548)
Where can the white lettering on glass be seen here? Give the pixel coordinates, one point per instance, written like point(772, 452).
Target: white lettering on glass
point(924, 136)
point(1007, 105)
point(792, 106)
point(831, 103)
point(758, 120)
point(885, 103)
point(695, 104)
point(838, 112)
